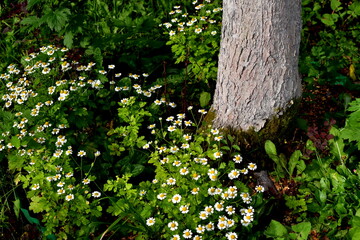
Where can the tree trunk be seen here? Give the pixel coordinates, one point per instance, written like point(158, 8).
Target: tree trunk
point(258, 75)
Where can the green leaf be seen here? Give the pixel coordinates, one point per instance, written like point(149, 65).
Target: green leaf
point(297, 205)
point(15, 141)
point(355, 221)
point(57, 19)
point(294, 160)
point(68, 39)
point(341, 209)
point(39, 204)
point(355, 7)
point(276, 229)
point(15, 161)
point(205, 98)
point(236, 147)
point(270, 148)
point(306, 2)
point(222, 165)
point(29, 218)
point(32, 3)
point(231, 139)
point(352, 126)
point(337, 181)
point(325, 184)
point(301, 166)
point(354, 233)
point(327, 19)
point(137, 169)
point(337, 145)
point(17, 207)
point(226, 148)
point(33, 22)
point(321, 196)
point(335, 4)
point(303, 228)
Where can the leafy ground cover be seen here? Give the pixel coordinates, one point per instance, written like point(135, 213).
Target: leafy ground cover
point(107, 141)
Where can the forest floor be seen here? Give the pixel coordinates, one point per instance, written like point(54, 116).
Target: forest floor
point(319, 104)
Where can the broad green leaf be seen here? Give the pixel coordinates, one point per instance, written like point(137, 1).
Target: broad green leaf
point(337, 181)
point(335, 4)
point(236, 147)
point(303, 228)
point(354, 233)
point(68, 39)
point(32, 20)
point(57, 19)
point(270, 148)
point(205, 98)
point(357, 213)
point(355, 221)
point(276, 229)
point(301, 166)
point(29, 218)
point(327, 19)
point(340, 208)
point(15, 141)
point(317, 6)
point(355, 7)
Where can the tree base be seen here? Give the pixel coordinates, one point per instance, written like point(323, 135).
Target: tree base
point(277, 129)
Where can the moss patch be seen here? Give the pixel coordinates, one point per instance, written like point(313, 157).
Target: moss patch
point(276, 129)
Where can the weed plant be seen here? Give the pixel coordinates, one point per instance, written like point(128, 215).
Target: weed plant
point(327, 199)
point(330, 49)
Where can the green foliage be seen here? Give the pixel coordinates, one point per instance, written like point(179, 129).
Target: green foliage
point(328, 195)
point(195, 38)
point(352, 128)
point(330, 52)
point(205, 98)
point(283, 167)
point(54, 135)
point(298, 231)
point(69, 128)
point(55, 20)
point(197, 186)
point(12, 42)
point(103, 28)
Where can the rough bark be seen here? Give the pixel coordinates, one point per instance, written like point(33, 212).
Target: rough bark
point(258, 63)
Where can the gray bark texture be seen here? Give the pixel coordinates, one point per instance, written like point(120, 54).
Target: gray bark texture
point(258, 63)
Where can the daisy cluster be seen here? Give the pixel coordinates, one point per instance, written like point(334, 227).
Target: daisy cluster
point(196, 179)
point(204, 19)
point(36, 134)
point(194, 37)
